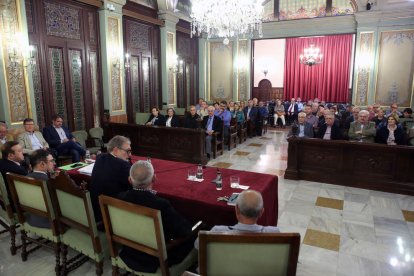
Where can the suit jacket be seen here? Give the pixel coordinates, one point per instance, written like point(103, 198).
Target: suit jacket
point(368, 132)
point(9, 166)
point(383, 132)
point(52, 136)
point(191, 122)
point(109, 177)
point(26, 143)
point(253, 113)
point(308, 131)
point(295, 108)
point(174, 226)
point(335, 132)
point(217, 123)
point(34, 220)
point(175, 122)
point(160, 121)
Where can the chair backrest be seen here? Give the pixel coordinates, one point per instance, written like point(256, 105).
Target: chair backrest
point(97, 134)
point(4, 200)
point(81, 137)
point(179, 111)
point(141, 118)
point(73, 207)
point(241, 254)
point(31, 196)
point(134, 226)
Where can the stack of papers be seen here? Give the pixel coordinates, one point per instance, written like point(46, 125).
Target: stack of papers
point(243, 187)
point(73, 166)
point(195, 179)
point(87, 170)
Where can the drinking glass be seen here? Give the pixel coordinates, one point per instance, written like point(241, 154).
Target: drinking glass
point(234, 181)
point(192, 174)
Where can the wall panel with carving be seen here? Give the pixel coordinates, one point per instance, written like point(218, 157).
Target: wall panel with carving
point(141, 42)
point(67, 72)
point(187, 84)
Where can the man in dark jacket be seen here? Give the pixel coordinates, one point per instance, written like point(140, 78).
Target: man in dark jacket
point(329, 130)
point(191, 120)
point(174, 225)
point(212, 124)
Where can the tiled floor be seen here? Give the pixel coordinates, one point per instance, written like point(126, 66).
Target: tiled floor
point(344, 231)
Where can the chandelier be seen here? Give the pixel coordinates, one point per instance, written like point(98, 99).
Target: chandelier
point(311, 56)
point(226, 18)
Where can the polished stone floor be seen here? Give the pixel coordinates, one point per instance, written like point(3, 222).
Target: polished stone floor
point(344, 231)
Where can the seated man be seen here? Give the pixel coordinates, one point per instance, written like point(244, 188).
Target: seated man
point(191, 120)
point(262, 114)
point(31, 140)
point(304, 129)
point(250, 113)
point(225, 116)
point(42, 163)
point(12, 156)
point(393, 109)
point(249, 208)
point(362, 130)
point(329, 130)
point(110, 172)
point(211, 124)
point(60, 139)
point(310, 118)
point(174, 225)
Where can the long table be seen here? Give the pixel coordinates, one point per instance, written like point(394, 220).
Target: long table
point(198, 200)
point(362, 165)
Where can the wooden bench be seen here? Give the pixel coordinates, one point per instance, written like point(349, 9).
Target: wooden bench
point(361, 165)
point(168, 143)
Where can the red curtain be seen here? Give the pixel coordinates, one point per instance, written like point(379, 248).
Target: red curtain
point(327, 81)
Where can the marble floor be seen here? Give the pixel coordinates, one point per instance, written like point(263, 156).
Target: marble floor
point(344, 231)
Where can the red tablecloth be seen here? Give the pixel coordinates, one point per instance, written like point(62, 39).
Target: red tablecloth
point(198, 200)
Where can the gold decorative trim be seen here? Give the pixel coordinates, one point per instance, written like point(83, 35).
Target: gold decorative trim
point(365, 59)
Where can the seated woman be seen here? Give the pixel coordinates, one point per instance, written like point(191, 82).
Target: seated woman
point(379, 118)
point(155, 119)
point(171, 119)
point(279, 113)
point(238, 114)
point(390, 133)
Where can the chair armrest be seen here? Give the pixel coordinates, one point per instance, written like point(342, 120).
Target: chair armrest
point(194, 233)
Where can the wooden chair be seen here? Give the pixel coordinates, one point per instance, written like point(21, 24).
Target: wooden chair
point(242, 254)
point(82, 138)
point(140, 228)
point(31, 197)
point(232, 139)
point(8, 218)
point(217, 142)
point(242, 132)
point(76, 223)
point(97, 134)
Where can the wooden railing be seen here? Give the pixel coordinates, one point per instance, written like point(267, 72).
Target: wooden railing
point(361, 165)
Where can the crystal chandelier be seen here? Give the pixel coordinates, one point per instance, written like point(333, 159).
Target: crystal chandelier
point(311, 56)
point(226, 18)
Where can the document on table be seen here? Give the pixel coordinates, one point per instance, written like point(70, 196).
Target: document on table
point(87, 169)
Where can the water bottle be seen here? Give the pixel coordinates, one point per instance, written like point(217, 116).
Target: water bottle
point(199, 174)
point(219, 181)
point(88, 154)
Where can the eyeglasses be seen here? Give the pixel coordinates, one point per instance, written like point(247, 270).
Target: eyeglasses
point(129, 151)
point(52, 160)
point(29, 124)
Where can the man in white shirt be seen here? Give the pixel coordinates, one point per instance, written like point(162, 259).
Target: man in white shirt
point(249, 208)
point(31, 139)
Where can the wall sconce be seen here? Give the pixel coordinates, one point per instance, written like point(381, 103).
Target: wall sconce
point(116, 62)
point(110, 7)
point(265, 71)
point(127, 64)
point(31, 61)
point(176, 65)
point(15, 59)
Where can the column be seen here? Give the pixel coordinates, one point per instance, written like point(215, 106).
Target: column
point(112, 56)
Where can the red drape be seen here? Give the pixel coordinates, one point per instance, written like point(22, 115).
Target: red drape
point(328, 81)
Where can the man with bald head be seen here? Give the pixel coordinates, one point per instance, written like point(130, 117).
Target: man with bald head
point(142, 178)
point(249, 208)
point(211, 124)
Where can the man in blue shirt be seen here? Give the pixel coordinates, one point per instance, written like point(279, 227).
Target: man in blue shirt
point(225, 116)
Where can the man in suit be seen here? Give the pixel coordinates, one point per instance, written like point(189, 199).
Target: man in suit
point(362, 130)
point(31, 140)
point(211, 124)
point(292, 111)
point(250, 113)
point(174, 225)
point(110, 172)
point(42, 163)
point(249, 208)
point(329, 130)
point(12, 156)
point(60, 139)
point(191, 120)
point(304, 130)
